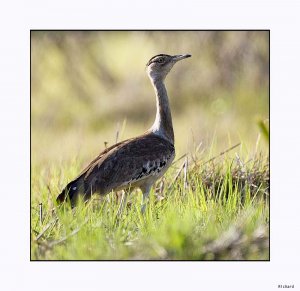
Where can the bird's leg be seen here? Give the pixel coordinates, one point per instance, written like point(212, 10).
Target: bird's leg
point(146, 192)
point(122, 203)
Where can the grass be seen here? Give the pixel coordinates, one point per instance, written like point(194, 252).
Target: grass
point(213, 210)
point(81, 93)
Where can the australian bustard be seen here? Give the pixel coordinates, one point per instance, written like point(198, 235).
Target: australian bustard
point(135, 162)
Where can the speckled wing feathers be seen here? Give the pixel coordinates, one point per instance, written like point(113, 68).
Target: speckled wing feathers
point(100, 157)
point(128, 162)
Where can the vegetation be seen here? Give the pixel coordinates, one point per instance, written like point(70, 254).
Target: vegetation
point(88, 89)
point(216, 210)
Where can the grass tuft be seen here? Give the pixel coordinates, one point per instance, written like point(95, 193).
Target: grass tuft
point(215, 210)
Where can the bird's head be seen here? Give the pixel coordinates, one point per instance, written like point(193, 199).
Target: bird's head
point(160, 65)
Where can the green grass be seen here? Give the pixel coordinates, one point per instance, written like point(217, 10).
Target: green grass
point(82, 94)
point(214, 210)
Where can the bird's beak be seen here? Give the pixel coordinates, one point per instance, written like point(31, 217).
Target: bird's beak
point(180, 57)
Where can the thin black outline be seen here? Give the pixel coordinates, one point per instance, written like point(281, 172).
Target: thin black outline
point(163, 30)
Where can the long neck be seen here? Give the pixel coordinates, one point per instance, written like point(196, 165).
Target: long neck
point(163, 121)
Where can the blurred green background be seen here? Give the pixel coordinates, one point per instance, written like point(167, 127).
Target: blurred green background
point(87, 86)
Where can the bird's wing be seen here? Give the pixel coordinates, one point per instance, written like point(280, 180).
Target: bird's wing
point(128, 162)
point(100, 157)
point(78, 185)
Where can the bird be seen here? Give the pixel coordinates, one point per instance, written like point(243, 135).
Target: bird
point(136, 162)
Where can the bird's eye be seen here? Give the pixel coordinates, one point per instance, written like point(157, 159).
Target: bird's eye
point(160, 60)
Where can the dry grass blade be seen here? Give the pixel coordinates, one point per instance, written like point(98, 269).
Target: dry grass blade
point(41, 213)
point(186, 165)
point(177, 175)
point(228, 240)
point(51, 223)
point(52, 244)
point(236, 243)
point(117, 135)
point(161, 186)
point(222, 153)
point(63, 239)
point(179, 159)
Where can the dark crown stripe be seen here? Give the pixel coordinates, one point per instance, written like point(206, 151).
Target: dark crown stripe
point(160, 55)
